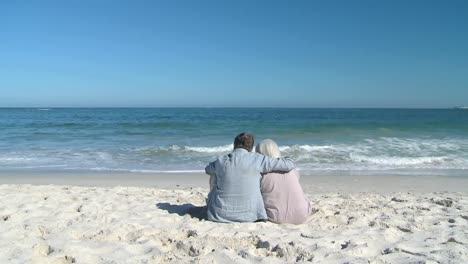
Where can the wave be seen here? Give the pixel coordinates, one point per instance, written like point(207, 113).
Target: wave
point(378, 153)
point(217, 149)
point(399, 161)
point(226, 148)
point(306, 148)
point(367, 154)
point(176, 148)
point(14, 159)
point(140, 170)
point(402, 143)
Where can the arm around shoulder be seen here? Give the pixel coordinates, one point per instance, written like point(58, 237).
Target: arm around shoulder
point(277, 164)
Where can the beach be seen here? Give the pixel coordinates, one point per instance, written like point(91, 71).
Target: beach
point(118, 119)
point(127, 185)
point(155, 218)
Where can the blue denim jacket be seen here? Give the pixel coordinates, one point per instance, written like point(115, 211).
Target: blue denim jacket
point(236, 196)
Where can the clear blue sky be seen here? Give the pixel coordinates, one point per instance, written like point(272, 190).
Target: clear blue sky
point(234, 53)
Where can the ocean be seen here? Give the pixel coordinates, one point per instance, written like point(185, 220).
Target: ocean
point(144, 140)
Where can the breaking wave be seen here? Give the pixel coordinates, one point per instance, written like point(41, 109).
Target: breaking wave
point(382, 153)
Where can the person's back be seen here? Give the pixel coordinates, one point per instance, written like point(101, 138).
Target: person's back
point(235, 178)
point(284, 198)
point(282, 193)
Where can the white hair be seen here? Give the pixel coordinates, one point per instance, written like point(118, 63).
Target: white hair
point(268, 148)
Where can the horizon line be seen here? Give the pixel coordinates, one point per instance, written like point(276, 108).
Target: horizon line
point(216, 107)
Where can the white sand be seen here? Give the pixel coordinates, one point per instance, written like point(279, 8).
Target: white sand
point(66, 224)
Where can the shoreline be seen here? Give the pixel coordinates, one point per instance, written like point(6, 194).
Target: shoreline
point(311, 183)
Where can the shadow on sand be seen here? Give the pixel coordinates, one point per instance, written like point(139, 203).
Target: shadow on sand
point(198, 212)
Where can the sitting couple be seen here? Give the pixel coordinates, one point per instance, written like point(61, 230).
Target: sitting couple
point(246, 186)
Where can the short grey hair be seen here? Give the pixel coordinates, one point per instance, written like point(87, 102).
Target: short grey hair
point(268, 147)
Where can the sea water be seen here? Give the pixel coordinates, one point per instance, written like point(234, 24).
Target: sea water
point(403, 141)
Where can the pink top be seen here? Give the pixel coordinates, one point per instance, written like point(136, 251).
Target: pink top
point(284, 198)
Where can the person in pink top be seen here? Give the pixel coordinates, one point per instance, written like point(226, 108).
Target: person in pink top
point(282, 193)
